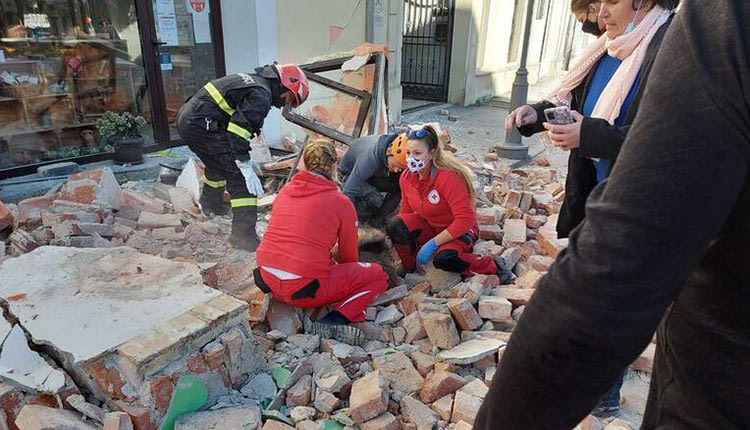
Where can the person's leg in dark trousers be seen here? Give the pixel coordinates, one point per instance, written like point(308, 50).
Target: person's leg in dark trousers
point(244, 204)
point(212, 194)
point(609, 404)
point(409, 232)
point(205, 144)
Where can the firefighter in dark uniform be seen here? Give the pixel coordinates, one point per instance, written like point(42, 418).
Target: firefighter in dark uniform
point(219, 122)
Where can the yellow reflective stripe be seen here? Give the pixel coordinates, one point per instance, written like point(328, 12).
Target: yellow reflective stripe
point(239, 131)
point(244, 202)
point(214, 184)
point(218, 98)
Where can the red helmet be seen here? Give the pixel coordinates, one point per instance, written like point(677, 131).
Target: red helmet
point(293, 79)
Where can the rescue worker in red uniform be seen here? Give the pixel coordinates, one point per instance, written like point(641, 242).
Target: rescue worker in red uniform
point(309, 217)
point(218, 122)
point(437, 218)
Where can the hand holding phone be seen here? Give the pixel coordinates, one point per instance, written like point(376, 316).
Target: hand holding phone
point(559, 115)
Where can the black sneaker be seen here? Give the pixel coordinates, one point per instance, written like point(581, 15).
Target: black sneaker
point(606, 411)
point(335, 326)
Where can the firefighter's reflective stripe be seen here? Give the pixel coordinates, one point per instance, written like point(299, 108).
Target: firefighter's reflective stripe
point(239, 131)
point(214, 184)
point(244, 202)
point(218, 98)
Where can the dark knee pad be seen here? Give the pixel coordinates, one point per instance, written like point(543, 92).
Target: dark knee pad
point(399, 233)
point(448, 260)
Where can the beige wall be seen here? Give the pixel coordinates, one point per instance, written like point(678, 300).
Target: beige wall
point(482, 38)
point(304, 27)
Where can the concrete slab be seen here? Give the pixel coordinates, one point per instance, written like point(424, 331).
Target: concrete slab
point(86, 302)
point(26, 369)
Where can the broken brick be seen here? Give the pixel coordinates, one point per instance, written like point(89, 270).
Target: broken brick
point(491, 232)
point(443, 407)
point(441, 330)
point(530, 279)
point(369, 397)
point(465, 314)
point(465, 407)
point(414, 328)
point(495, 309)
point(440, 384)
point(299, 394)
point(384, 421)
point(416, 412)
point(6, 218)
point(142, 202)
point(514, 232)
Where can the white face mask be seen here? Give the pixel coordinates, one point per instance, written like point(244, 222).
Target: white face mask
point(415, 165)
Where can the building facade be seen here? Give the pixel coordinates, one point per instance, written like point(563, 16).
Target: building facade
point(63, 63)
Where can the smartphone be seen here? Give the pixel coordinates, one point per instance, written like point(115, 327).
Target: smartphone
point(559, 115)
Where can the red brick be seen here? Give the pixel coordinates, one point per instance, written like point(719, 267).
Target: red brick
point(517, 296)
point(465, 408)
point(496, 309)
point(161, 390)
point(440, 384)
point(441, 330)
point(215, 354)
point(530, 279)
point(299, 394)
point(491, 232)
point(369, 397)
point(550, 245)
point(142, 202)
point(197, 364)
point(6, 218)
point(465, 314)
point(117, 421)
point(514, 233)
point(259, 303)
point(108, 379)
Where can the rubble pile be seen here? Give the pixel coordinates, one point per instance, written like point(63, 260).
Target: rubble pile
point(432, 342)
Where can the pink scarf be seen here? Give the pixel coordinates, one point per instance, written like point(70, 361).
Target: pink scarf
point(630, 48)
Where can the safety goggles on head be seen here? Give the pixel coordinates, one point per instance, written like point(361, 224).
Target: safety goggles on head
point(416, 134)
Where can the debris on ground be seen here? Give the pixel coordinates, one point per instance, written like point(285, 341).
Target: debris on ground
point(124, 308)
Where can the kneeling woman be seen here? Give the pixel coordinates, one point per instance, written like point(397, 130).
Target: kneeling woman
point(294, 259)
point(437, 211)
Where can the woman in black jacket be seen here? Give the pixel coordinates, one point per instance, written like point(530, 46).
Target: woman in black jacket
point(594, 142)
point(603, 91)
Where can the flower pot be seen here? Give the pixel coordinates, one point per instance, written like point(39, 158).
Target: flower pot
point(128, 150)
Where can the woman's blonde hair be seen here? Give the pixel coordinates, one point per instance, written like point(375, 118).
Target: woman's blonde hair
point(442, 159)
point(320, 157)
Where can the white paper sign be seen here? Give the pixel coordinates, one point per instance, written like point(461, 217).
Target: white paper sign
point(166, 22)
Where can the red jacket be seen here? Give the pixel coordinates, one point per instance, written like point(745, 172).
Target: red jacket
point(309, 216)
point(441, 198)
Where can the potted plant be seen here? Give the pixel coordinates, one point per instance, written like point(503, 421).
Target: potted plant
point(123, 132)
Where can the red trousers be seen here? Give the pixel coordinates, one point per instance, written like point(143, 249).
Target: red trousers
point(352, 285)
point(454, 256)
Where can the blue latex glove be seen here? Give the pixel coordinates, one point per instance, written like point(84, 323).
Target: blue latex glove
point(425, 253)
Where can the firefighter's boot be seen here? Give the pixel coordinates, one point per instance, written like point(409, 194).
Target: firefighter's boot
point(212, 199)
point(243, 228)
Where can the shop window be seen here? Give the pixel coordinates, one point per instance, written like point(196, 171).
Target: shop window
point(63, 64)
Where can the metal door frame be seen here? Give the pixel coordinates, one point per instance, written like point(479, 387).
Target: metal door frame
point(441, 89)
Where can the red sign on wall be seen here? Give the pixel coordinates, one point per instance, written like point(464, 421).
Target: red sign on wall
point(198, 5)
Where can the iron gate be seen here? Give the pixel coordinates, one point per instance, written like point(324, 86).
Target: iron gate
point(426, 58)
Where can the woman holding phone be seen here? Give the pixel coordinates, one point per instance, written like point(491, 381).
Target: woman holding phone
point(599, 99)
point(603, 90)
